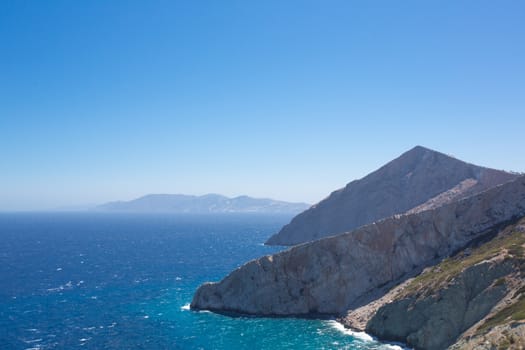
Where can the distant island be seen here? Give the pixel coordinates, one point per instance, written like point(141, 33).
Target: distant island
point(209, 203)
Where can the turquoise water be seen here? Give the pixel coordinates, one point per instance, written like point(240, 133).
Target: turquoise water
point(95, 281)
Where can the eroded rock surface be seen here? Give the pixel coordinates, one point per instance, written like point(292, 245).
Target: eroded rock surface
point(436, 321)
point(329, 275)
point(474, 300)
point(509, 336)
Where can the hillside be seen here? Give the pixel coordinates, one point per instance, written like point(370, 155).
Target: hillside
point(419, 179)
point(472, 300)
point(210, 203)
point(332, 275)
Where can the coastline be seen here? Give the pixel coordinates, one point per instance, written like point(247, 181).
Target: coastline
point(361, 335)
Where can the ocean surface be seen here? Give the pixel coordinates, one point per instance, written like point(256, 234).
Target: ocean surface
point(121, 281)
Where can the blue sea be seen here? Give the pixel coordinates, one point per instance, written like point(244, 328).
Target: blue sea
point(121, 281)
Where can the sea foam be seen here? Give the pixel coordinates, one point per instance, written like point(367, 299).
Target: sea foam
point(363, 336)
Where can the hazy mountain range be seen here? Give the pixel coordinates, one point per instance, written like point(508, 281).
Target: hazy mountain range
point(209, 203)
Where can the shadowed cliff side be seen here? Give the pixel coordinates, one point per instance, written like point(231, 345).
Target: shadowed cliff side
point(327, 276)
point(419, 179)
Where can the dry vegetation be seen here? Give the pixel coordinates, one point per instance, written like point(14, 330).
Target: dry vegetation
point(509, 244)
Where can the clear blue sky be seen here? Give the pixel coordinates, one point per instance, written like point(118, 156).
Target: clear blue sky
point(106, 100)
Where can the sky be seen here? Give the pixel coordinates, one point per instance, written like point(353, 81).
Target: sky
point(111, 100)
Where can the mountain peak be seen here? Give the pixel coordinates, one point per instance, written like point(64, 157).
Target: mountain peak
point(419, 148)
point(421, 153)
point(418, 179)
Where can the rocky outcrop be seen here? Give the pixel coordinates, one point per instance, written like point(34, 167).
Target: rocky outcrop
point(473, 300)
point(508, 336)
point(330, 275)
point(435, 322)
point(419, 178)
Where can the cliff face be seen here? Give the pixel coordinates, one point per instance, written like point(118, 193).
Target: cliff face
point(329, 275)
point(419, 178)
point(435, 322)
point(471, 301)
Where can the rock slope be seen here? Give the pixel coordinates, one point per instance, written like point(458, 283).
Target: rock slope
point(330, 275)
point(420, 178)
point(473, 300)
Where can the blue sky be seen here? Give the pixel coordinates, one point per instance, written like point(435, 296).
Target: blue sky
point(106, 100)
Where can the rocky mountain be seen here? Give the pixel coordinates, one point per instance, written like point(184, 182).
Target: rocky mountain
point(210, 203)
point(329, 275)
point(474, 300)
point(357, 270)
point(419, 179)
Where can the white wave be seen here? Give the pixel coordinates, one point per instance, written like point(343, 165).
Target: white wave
point(394, 347)
point(204, 311)
point(359, 335)
point(185, 307)
point(363, 336)
point(68, 285)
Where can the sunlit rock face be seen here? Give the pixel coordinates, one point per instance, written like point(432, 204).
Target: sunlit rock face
point(419, 179)
point(328, 275)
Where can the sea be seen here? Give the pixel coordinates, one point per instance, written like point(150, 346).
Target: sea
point(125, 281)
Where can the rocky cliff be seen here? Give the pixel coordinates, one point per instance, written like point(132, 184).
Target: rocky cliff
point(419, 179)
point(474, 300)
point(331, 275)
